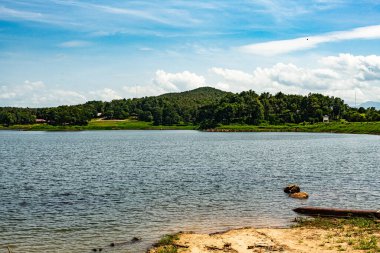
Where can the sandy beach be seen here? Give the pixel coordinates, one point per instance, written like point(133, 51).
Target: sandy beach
point(297, 239)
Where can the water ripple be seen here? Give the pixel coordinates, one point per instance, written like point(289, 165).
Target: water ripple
point(71, 192)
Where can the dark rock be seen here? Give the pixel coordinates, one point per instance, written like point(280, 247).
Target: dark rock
point(227, 245)
point(112, 244)
point(136, 239)
point(292, 188)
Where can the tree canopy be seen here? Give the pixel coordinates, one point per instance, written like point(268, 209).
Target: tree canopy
point(206, 107)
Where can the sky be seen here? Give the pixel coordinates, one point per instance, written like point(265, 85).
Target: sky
point(55, 52)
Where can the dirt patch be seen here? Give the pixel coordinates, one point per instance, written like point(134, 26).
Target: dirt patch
point(248, 240)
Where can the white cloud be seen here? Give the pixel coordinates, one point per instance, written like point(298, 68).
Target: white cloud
point(142, 91)
point(75, 43)
point(151, 12)
point(164, 82)
point(37, 94)
point(105, 94)
point(43, 17)
point(341, 76)
point(5, 93)
point(303, 43)
point(366, 68)
point(232, 75)
point(20, 90)
point(174, 82)
point(146, 49)
point(55, 97)
point(293, 76)
point(282, 10)
point(12, 13)
point(124, 11)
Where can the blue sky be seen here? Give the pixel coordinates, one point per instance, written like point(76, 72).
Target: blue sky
point(67, 52)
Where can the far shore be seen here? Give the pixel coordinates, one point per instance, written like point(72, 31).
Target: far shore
point(311, 235)
point(333, 127)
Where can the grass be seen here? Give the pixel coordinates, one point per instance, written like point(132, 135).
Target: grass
point(130, 124)
point(167, 240)
point(333, 127)
point(101, 125)
point(354, 233)
point(167, 244)
point(368, 244)
point(167, 249)
point(329, 223)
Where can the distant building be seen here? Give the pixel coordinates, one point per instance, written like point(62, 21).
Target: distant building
point(325, 119)
point(40, 121)
point(98, 114)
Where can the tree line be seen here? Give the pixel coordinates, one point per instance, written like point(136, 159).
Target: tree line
point(206, 107)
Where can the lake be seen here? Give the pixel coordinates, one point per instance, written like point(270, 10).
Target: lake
point(75, 191)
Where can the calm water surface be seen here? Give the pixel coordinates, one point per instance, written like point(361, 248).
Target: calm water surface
point(74, 191)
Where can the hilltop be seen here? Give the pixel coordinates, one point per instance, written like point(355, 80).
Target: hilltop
point(195, 98)
point(198, 94)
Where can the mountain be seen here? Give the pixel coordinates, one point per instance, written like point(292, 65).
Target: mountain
point(370, 104)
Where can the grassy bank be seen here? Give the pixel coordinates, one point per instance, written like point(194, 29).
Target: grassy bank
point(100, 125)
point(334, 127)
point(346, 234)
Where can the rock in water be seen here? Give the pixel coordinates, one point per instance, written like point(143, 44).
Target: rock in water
point(292, 188)
point(299, 195)
point(136, 239)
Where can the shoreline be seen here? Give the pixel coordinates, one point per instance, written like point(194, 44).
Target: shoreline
point(309, 235)
point(372, 128)
point(168, 129)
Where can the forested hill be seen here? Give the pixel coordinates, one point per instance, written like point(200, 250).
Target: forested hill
point(169, 108)
point(199, 95)
point(194, 98)
point(206, 107)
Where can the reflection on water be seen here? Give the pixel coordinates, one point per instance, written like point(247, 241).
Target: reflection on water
point(74, 191)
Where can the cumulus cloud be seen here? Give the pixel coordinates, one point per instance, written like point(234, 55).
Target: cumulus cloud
point(342, 76)
point(105, 94)
point(366, 68)
point(56, 97)
point(232, 75)
point(142, 91)
point(164, 82)
point(175, 82)
point(303, 43)
point(6, 93)
point(37, 94)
